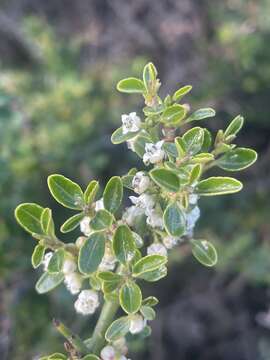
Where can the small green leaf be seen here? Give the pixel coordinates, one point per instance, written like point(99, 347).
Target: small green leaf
point(237, 159)
point(150, 301)
point(204, 252)
point(139, 144)
point(170, 149)
point(47, 222)
point(195, 174)
point(66, 192)
point(207, 141)
point(48, 282)
point(38, 255)
point(166, 179)
point(119, 328)
point(173, 114)
point(91, 253)
point(149, 75)
point(110, 281)
point(102, 220)
point(131, 85)
point(90, 357)
point(57, 356)
point(174, 220)
point(72, 222)
point(154, 275)
point(118, 137)
point(130, 297)
point(201, 114)
point(193, 139)
point(113, 194)
point(28, 216)
point(181, 92)
point(235, 126)
point(202, 158)
point(91, 191)
point(180, 147)
point(123, 244)
point(148, 263)
point(56, 262)
point(218, 186)
point(148, 313)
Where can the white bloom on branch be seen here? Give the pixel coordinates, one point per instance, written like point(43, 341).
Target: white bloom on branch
point(131, 123)
point(192, 218)
point(153, 153)
point(140, 182)
point(130, 144)
point(99, 205)
point(121, 345)
point(155, 218)
point(46, 260)
point(144, 201)
point(85, 226)
point(131, 213)
point(107, 353)
point(73, 282)
point(69, 266)
point(157, 249)
point(87, 302)
point(108, 260)
point(193, 199)
point(137, 324)
point(170, 241)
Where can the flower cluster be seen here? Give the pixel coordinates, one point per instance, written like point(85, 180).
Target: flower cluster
point(116, 249)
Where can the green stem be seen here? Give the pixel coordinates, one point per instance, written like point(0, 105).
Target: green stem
point(105, 319)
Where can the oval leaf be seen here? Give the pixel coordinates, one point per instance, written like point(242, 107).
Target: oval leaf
point(148, 313)
point(148, 263)
point(71, 223)
point(130, 297)
point(204, 252)
point(38, 255)
point(48, 282)
point(56, 262)
point(91, 253)
point(118, 137)
point(181, 92)
point(91, 191)
point(201, 114)
point(119, 328)
point(174, 220)
point(123, 244)
point(235, 126)
point(102, 220)
point(28, 216)
point(173, 114)
point(166, 179)
point(113, 194)
point(66, 192)
point(218, 186)
point(193, 139)
point(237, 159)
point(131, 85)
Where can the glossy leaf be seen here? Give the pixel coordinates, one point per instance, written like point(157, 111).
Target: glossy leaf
point(148, 313)
point(174, 220)
point(66, 192)
point(28, 216)
point(181, 92)
point(180, 147)
point(72, 222)
point(123, 244)
point(237, 159)
point(149, 75)
point(131, 85)
point(235, 126)
point(155, 275)
point(207, 141)
point(173, 114)
point(56, 262)
point(204, 252)
point(218, 186)
point(47, 222)
point(201, 114)
point(150, 301)
point(91, 253)
point(193, 139)
point(148, 263)
point(113, 194)
point(102, 220)
point(118, 137)
point(166, 179)
point(130, 297)
point(38, 255)
point(91, 191)
point(48, 282)
point(118, 329)
point(139, 144)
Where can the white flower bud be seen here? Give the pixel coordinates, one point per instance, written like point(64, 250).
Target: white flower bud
point(155, 218)
point(85, 226)
point(153, 153)
point(193, 199)
point(170, 241)
point(157, 249)
point(108, 260)
point(107, 353)
point(192, 218)
point(130, 144)
point(121, 345)
point(140, 182)
point(46, 260)
point(80, 241)
point(99, 205)
point(69, 266)
point(131, 122)
point(87, 302)
point(144, 201)
point(131, 213)
point(137, 324)
point(73, 282)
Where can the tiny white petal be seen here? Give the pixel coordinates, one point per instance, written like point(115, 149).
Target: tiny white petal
point(170, 241)
point(85, 226)
point(69, 266)
point(99, 205)
point(87, 302)
point(107, 353)
point(137, 324)
point(73, 282)
point(140, 182)
point(157, 249)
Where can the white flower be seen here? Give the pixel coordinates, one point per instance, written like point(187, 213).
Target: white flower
point(155, 218)
point(121, 345)
point(144, 201)
point(137, 324)
point(107, 353)
point(193, 199)
point(87, 302)
point(69, 266)
point(130, 144)
point(131, 213)
point(80, 241)
point(153, 153)
point(192, 218)
point(46, 260)
point(131, 123)
point(73, 282)
point(156, 249)
point(170, 241)
point(99, 205)
point(108, 260)
point(85, 226)
point(140, 182)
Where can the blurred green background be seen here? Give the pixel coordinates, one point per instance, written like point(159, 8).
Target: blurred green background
point(59, 64)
